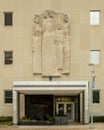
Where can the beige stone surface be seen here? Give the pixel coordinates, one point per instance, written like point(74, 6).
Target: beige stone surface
point(19, 38)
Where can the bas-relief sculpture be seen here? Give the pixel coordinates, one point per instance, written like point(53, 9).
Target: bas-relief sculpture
point(51, 46)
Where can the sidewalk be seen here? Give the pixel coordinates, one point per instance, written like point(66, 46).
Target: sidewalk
point(97, 126)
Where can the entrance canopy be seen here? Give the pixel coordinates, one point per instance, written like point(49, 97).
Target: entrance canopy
point(50, 87)
point(72, 88)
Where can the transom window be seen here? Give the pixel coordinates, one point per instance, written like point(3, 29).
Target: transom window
point(94, 17)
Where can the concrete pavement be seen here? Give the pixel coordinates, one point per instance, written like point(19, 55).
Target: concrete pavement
point(97, 126)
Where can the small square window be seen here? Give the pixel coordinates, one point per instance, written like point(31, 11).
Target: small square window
point(8, 96)
point(95, 57)
point(94, 17)
point(8, 18)
point(96, 96)
point(8, 57)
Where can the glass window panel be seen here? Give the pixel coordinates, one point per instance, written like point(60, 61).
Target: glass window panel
point(8, 100)
point(94, 17)
point(8, 57)
point(8, 19)
point(96, 96)
point(95, 57)
point(8, 96)
point(8, 93)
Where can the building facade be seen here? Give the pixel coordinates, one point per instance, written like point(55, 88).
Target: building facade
point(51, 63)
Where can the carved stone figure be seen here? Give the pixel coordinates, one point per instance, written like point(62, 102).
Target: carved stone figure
point(66, 46)
point(37, 43)
point(49, 59)
point(51, 49)
point(59, 39)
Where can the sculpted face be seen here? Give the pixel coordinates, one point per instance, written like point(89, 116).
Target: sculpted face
point(45, 14)
point(59, 27)
point(65, 18)
point(36, 19)
point(51, 14)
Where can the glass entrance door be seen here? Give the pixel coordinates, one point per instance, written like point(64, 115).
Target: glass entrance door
point(61, 109)
point(70, 111)
point(65, 108)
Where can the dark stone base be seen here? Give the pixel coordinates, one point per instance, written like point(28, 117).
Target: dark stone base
point(36, 123)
